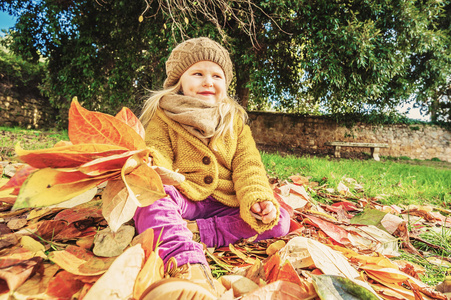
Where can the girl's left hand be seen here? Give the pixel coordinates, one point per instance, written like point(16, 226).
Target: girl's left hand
point(266, 210)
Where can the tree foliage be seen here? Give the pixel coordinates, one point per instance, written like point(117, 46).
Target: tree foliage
point(341, 56)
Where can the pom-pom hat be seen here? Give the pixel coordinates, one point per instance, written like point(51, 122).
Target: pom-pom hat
point(192, 51)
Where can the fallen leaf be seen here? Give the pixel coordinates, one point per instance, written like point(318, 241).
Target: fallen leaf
point(64, 285)
point(279, 290)
point(16, 274)
point(331, 287)
point(118, 281)
point(109, 244)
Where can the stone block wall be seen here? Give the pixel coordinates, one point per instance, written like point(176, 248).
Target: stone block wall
point(28, 112)
point(308, 135)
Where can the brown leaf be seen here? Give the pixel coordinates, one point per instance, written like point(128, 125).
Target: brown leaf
point(87, 127)
point(16, 274)
point(109, 244)
point(117, 207)
point(91, 211)
point(39, 282)
point(79, 261)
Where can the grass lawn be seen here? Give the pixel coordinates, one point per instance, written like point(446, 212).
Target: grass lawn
point(393, 182)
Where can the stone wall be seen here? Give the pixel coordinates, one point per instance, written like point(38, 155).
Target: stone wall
point(301, 134)
point(28, 112)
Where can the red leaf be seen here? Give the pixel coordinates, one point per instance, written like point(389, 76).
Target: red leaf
point(87, 127)
point(338, 234)
point(348, 206)
point(18, 179)
point(129, 118)
point(282, 203)
point(64, 285)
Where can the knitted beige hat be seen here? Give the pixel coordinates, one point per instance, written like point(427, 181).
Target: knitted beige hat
point(192, 51)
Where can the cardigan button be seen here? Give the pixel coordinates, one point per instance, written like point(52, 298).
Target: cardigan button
point(208, 179)
point(206, 160)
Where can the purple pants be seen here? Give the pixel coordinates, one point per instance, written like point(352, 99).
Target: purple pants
point(219, 225)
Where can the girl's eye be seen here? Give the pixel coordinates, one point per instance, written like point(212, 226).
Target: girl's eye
point(198, 74)
point(217, 76)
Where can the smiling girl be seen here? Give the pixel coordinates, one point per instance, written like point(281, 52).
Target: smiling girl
point(194, 128)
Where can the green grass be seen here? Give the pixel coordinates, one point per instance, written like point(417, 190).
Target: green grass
point(29, 139)
point(393, 182)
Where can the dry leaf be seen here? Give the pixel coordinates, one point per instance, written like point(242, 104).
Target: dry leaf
point(109, 244)
point(118, 281)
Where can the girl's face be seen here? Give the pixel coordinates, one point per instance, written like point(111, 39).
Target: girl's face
point(204, 80)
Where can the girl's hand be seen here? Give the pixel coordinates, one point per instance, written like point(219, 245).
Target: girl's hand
point(266, 210)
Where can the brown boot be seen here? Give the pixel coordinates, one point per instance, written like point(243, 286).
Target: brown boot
point(176, 289)
point(197, 273)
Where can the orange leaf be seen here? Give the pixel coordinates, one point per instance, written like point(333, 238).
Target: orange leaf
point(272, 267)
point(129, 118)
point(152, 271)
point(146, 240)
point(86, 127)
point(288, 273)
point(68, 156)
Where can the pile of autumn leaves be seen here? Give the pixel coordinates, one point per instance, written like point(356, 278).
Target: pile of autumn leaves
point(110, 152)
point(102, 148)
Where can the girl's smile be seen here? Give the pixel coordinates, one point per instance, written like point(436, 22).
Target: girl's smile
point(204, 80)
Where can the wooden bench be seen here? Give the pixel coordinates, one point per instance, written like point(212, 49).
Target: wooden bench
point(373, 146)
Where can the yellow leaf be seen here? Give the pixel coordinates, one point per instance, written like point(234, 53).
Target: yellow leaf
point(33, 246)
point(152, 271)
point(186, 21)
point(140, 19)
point(164, 25)
point(39, 189)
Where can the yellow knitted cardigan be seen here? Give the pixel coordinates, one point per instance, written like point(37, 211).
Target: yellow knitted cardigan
point(230, 170)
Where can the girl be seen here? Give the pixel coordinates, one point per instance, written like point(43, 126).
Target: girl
point(194, 128)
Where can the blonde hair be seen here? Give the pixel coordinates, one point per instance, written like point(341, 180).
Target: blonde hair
point(229, 109)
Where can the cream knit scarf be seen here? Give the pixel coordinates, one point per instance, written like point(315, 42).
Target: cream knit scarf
point(199, 117)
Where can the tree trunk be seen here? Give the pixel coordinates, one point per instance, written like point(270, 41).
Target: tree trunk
point(242, 92)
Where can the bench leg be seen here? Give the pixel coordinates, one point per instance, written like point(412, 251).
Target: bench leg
point(337, 151)
point(375, 153)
